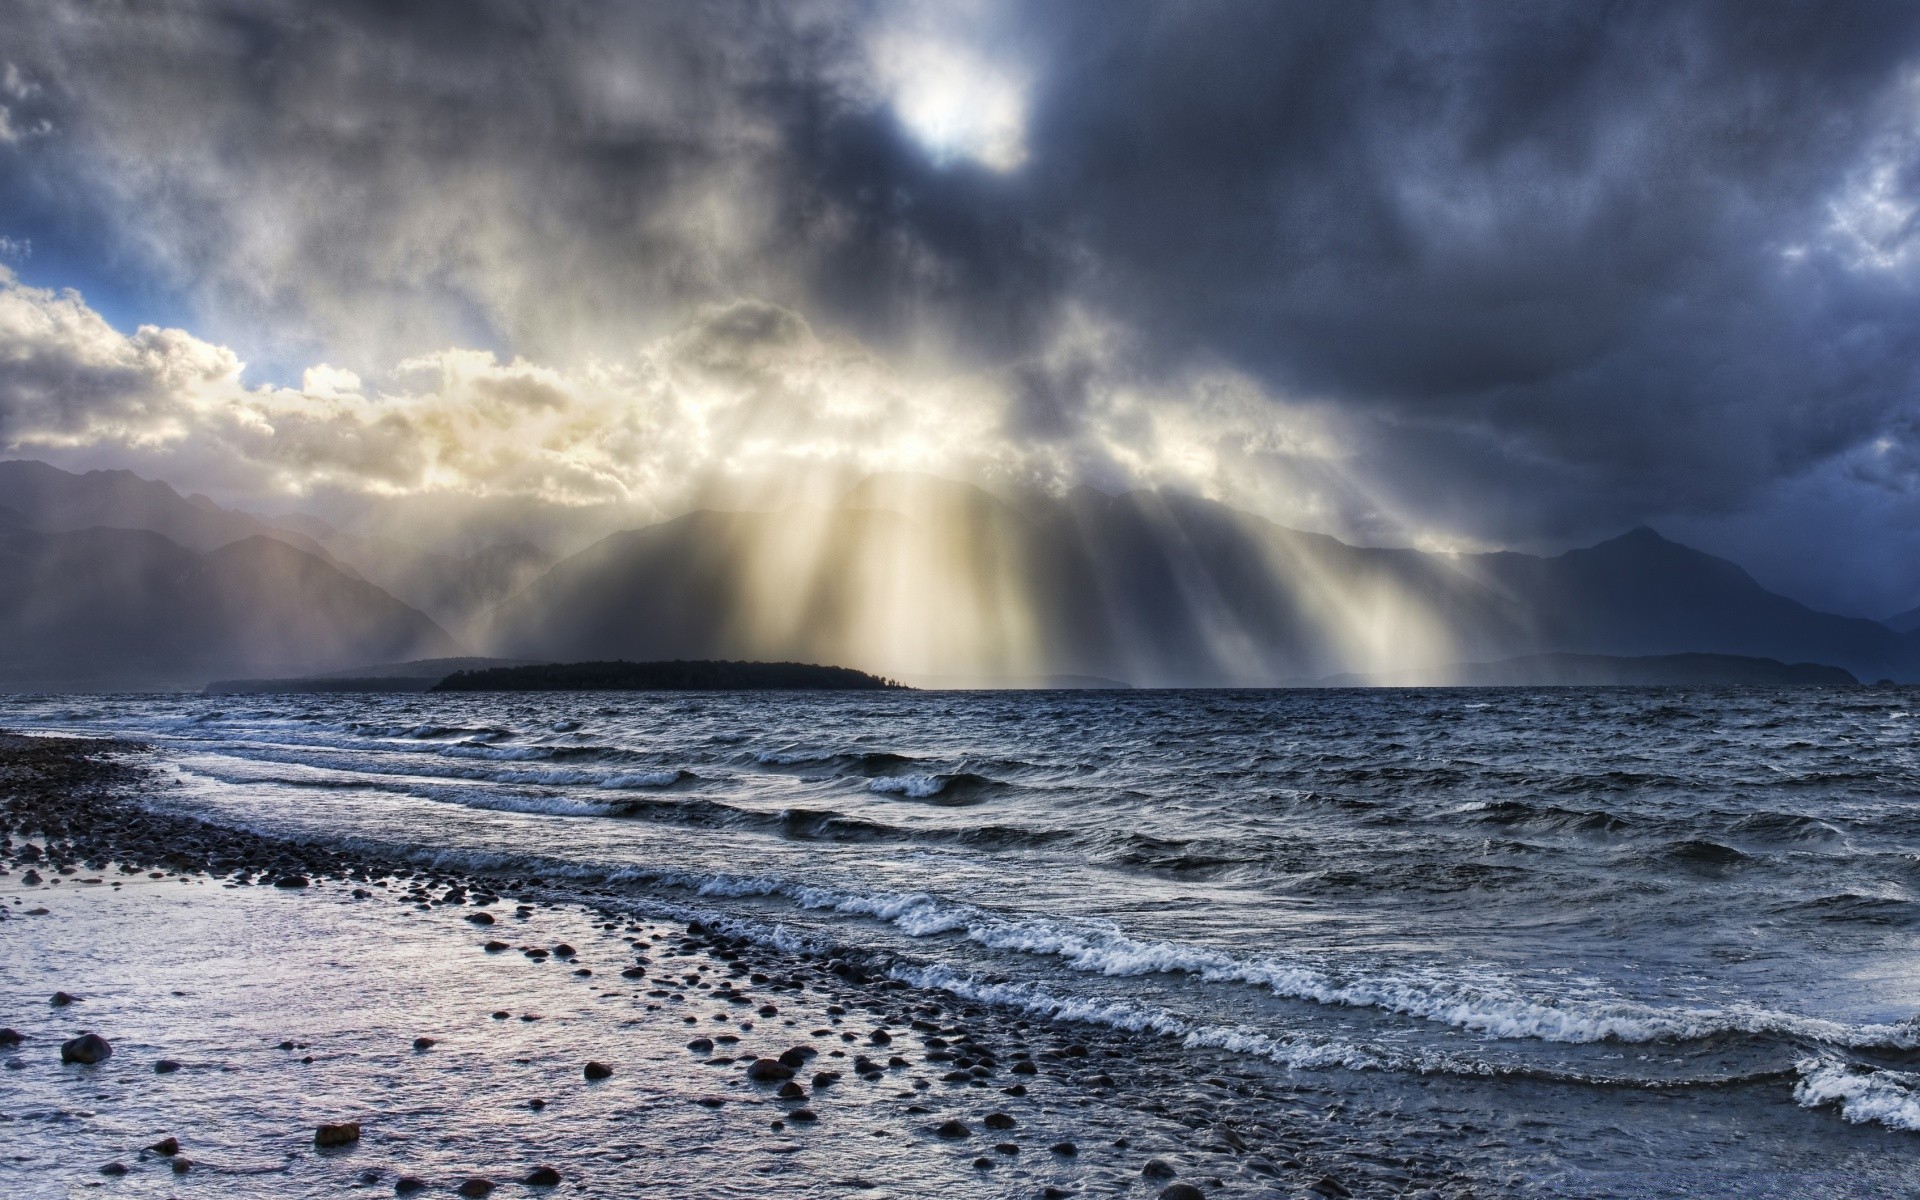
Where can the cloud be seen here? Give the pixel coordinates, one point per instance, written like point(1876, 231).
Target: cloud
point(742, 396)
point(1482, 274)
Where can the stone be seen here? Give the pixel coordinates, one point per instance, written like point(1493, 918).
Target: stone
point(182, 1164)
point(1182, 1191)
point(407, 1185)
point(1158, 1168)
point(1025, 1068)
point(423, 1043)
point(87, 1049)
point(792, 1091)
point(1329, 1186)
point(165, 1066)
point(11, 1037)
point(480, 918)
point(953, 1129)
point(597, 1070)
point(114, 1168)
point(542, 1177)
point(1064, 1149)
point(346, 1133)
point(700, 1045)
point(999, 1120)
point(166, 1147)
point(291, 881)
point(768, 1070)
point(495, 946)
point(803, 1115)
point(797, 1056)
point(476, 1187)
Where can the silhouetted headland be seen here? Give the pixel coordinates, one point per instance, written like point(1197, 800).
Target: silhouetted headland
point(677, 676)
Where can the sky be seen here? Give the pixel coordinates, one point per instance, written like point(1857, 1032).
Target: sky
point(1451, 275)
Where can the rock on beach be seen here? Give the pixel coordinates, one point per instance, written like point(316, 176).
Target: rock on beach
point(87, 1049)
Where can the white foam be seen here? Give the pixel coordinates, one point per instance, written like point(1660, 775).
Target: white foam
point(1890, 1098)
point(1299, 1053)
point(914, 787)
point(1489, 1007)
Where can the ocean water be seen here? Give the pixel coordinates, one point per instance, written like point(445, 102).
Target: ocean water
point(1675, 930)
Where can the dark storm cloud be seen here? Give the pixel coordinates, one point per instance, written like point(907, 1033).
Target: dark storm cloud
point(1575, 265)
point(1551, 267)
point(1561, 225)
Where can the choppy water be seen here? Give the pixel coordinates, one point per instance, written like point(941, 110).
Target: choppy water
point(1607, 893)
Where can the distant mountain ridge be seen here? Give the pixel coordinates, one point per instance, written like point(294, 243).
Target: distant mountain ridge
point(1147, 588)
point(128, 608)
point(50, 500)
point(910, 577)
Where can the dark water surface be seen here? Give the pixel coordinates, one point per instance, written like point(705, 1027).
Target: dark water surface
point(1675, 929)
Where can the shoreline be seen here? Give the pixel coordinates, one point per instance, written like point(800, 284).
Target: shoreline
point(1000, 1103)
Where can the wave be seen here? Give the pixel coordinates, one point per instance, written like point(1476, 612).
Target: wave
point(1784, 827)
point(1492, 1009)
point(871, 762)
point(1851, 906)
point(1863, 1095)
point(646, 779)
point(957, 787)
point(1298, 1052)
point(1696, 852)
point(1550, 816)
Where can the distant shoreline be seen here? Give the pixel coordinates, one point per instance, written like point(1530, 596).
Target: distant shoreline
point(679, 676)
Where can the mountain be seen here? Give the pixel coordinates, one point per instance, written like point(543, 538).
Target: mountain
point(905, 576)
point(46, 498)
point(123, 608)
point(1903, 622)
point(923, 579)
point(452, 589)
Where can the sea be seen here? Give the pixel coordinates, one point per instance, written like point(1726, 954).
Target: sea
point(1639, 941)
